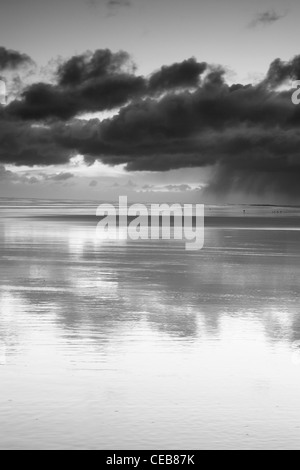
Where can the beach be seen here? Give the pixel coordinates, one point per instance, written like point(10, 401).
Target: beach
point(141, 344)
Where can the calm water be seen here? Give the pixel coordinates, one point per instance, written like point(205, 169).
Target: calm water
point(142, 345)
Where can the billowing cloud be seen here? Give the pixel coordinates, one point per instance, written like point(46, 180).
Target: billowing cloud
point(100, 81)
point(181, 75)
point(280, 72)
point(44, 101)
point(89, 82)
point(183, 116)
point(12, 60)
point(185, 129)
point(90, 66)
point(23, 144)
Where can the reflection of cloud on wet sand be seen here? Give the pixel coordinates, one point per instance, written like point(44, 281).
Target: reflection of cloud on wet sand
point(93, 290)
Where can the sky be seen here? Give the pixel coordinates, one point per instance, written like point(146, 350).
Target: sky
point(160, 120)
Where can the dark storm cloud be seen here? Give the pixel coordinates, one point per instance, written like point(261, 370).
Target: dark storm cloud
point(12, 60)
point(250, 134)
point(43, 101)
point(85, 83)
point(98, 82)
point(181, 75)
point(22, 144)
point(266, 18)
point(280, 71)
point(88, 66)
point(184, 129)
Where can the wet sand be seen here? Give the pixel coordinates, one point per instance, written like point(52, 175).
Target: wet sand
point(142, 345)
